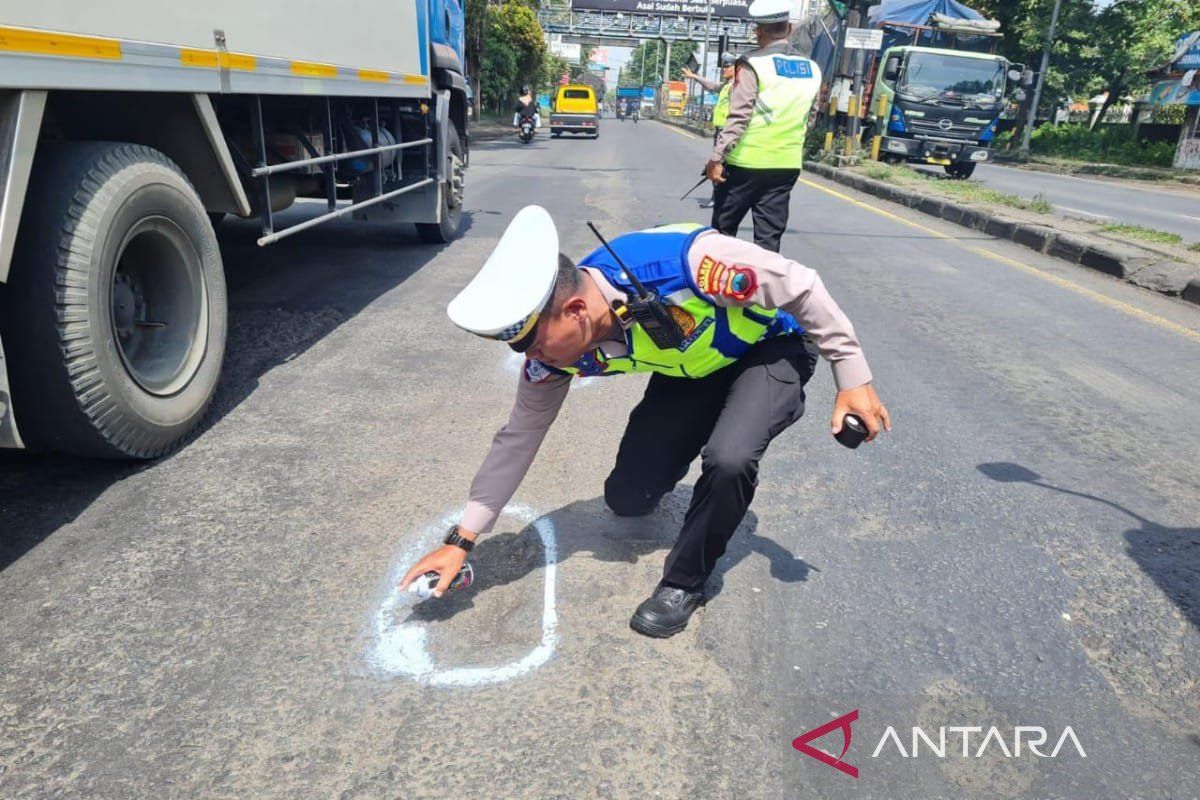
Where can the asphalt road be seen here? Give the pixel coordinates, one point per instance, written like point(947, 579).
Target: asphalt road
point(1174, 209)
point(1023, 550)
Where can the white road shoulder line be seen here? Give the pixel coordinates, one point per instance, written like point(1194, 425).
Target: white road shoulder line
point(1081, 211)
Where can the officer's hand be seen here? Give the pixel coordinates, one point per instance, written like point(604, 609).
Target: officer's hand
point(446, 561)
point(715, 171)
point(687, 73)
point(862, 402)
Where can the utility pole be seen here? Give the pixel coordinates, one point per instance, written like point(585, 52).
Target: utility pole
point(1037, 90)
point(704, 57)
point(667, 64)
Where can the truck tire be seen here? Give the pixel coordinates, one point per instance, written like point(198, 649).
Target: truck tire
point(960, 171)
point(452, 197)
point(118, 304)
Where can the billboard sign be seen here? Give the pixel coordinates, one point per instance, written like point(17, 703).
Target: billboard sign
point(732, 9)
point(571, 52)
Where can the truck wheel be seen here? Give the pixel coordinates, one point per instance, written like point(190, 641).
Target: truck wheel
point(960, 171)
point(452, 198)
point(117, 301)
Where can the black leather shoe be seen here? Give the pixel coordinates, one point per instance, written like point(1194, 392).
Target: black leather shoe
point(666, 612)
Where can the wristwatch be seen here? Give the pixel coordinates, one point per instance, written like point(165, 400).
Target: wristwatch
point(454, 538)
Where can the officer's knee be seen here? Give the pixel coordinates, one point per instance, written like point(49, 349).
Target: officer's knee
point(729, 464)
point(627, 501)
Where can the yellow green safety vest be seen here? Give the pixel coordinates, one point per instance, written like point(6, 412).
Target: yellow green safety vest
point(721, 109)
point(774, 139)
point(714, 336)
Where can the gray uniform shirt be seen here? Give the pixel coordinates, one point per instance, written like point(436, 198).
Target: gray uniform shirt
point(781, 283)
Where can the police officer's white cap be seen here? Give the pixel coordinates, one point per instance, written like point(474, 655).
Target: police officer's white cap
point(503, 301)
point(768, 11)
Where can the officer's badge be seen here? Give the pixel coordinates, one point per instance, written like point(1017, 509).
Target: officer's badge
point(536, 371)
point(590, 365)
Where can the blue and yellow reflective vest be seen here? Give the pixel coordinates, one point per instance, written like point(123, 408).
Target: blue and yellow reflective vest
point(714, 336)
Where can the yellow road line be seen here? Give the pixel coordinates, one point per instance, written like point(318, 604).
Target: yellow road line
point(22, 40)
point(680, 131)
point(1118, 305)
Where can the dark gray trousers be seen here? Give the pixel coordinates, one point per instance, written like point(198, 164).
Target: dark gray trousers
point(765, 193)
point(728, 419)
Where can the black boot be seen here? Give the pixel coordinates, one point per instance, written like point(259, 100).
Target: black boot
point(666, 612)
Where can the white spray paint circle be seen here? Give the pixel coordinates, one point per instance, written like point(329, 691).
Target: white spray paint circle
point(516, 361)
point(400, 648)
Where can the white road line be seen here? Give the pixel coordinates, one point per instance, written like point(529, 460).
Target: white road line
point(399, 648)
point(1115, 183)
point(1081, 211)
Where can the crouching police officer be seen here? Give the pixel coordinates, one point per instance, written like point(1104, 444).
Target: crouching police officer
point(757, 156)
point(727, 379)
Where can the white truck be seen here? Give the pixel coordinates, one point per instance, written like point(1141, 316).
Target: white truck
point(129, 127)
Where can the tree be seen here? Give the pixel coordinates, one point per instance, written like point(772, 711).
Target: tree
point(1094, 48)
point(553, 68)
point(1135, 36)
point(512, 53)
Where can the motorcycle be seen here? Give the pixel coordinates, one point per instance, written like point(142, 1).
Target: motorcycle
point(526, 129)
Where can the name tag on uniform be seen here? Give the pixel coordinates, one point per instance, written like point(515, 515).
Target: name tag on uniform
point(787, 68)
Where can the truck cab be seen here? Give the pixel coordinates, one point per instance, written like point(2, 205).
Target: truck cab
point(941, 106)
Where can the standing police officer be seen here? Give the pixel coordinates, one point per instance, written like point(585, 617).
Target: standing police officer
point(757, 158)
point(727, 381)
point(722, 87)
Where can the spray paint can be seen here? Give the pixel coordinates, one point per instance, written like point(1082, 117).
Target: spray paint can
point(423, 586)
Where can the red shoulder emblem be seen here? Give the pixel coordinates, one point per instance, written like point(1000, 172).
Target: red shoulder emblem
point(741, 284)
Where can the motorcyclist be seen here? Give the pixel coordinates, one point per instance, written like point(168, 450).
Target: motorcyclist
point(527, 107)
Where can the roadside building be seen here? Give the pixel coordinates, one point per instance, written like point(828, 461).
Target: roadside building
point(1178, 83)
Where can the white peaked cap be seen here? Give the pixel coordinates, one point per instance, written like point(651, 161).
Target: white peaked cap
point(505, 298)
point(771, 10)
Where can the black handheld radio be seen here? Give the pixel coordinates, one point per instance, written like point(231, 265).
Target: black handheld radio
point(646, 309)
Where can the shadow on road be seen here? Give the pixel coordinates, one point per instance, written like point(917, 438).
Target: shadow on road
point(588, 529)
point(282, 300)
point(1171, 556)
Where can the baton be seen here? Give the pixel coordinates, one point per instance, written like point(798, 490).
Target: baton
point(703, 178)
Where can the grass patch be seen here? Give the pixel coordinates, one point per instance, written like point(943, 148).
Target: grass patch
point(1194, 247)
point(976, 193)
point(1145, 234)
point(881, 172)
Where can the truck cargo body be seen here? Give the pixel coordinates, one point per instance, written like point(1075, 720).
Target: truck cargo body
point(129, 128)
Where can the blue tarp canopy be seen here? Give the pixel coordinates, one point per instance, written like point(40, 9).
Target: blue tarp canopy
point(918, 12)
point(905, 12)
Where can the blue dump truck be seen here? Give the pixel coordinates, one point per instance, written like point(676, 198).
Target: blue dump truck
point(129, 128)
point(629, 102)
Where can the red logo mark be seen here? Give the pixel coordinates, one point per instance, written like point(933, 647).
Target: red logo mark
point(843, 722)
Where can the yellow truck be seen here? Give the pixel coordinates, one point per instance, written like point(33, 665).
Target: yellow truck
point(575, 111)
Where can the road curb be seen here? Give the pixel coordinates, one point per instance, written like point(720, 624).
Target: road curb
point(1144, 268)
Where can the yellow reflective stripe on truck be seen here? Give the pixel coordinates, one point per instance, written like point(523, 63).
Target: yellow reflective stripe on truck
point(23, 40)
point(311, 69)
point(215, 58)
